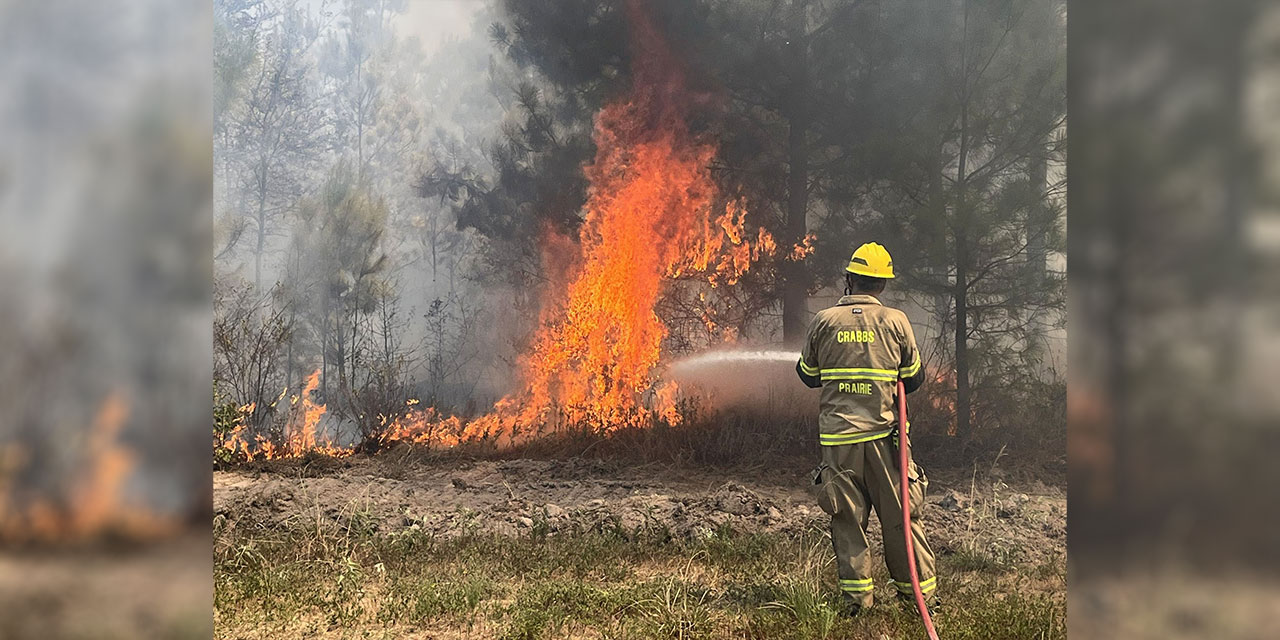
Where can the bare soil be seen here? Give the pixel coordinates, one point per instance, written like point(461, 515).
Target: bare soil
point(128, 590)
point(1021, 525)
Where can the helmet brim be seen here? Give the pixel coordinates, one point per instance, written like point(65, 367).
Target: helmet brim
point(863, 271)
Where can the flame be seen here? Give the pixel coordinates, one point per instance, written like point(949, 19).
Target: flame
point(1091, 445)
point(720, 252)
point(943, 397)
point(95, 499)
point(803, 249)
point(95, 504)
point(653, 215)
point(302, 431)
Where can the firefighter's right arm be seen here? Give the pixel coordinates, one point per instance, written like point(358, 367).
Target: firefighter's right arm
point(807, 366)
point(912, 369)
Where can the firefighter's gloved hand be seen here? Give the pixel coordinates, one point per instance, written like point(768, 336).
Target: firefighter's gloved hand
point(897, 427)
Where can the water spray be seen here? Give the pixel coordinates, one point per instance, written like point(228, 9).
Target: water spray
point(737, 378)
point(722, 357)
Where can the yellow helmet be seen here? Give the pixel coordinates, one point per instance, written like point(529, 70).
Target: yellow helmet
point(872, 260)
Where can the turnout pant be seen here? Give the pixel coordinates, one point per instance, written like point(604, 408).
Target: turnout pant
point(852, 480)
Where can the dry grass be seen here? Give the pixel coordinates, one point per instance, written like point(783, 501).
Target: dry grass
point(330, 576)
point(333, 578)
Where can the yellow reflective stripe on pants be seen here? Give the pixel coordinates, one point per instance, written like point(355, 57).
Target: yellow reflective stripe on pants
point(808, 370)
point(834, 439)
point(860, 374)
point(925, 587)
point(907, 372)
point(857, 586)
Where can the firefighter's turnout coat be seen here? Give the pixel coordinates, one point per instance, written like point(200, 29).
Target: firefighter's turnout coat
point(856, 352)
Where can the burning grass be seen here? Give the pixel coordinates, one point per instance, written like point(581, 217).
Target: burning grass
point(733, 438)
point(763, 438)
point(699, 433)
point(91, 504)
point(302, 436)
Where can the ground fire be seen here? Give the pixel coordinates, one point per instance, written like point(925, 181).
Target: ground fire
point(653, 214)
point(605, 318)
point(96, 503)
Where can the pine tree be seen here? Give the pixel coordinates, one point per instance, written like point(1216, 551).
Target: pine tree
point(972, 207)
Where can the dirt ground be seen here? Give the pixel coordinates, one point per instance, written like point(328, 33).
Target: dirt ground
point(1174, 602)
point(103, 592)
point(1019, 525)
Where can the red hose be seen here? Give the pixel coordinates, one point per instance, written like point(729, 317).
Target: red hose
point(904, 464)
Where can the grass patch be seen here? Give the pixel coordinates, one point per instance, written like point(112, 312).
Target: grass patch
point(975, 560)
point(420, 602)
point(326, 580)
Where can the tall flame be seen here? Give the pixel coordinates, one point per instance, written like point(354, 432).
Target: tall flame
point(653, 214)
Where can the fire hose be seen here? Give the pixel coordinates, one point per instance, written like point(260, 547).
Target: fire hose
point(904, 485)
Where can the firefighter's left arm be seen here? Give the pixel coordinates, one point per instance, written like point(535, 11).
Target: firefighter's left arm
point(807, 366)
point(912, 369)
point(813, 382)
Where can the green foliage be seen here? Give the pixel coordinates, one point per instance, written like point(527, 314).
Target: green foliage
point(419, 602)
point(234, 51)
point(226, 417)
point(973, 200)
point(814, 611)
point(935, 128)
point(336, 275)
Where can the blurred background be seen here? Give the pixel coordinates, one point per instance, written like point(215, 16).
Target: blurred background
point(105, 314)
point(1174, 178)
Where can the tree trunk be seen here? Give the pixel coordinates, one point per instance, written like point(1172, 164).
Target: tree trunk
point(293, 323)
point(962, 334)
point(262, 240)
point(324, 346)
point(1039, 220)
point(1233, 277)
point(961, 235)
point(288, 359)
point(794, 283)
point(1116, 276)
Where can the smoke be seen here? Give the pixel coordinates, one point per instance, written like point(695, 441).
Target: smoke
point(364, 98)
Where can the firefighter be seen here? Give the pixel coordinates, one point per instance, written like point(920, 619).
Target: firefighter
point(856, 351)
